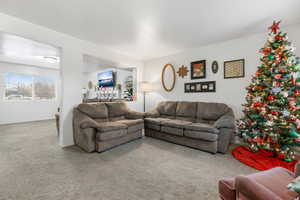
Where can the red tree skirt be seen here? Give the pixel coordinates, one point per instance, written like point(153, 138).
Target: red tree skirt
point(261, 160)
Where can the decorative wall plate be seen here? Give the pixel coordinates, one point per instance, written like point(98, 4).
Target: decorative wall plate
point(214, 67)
point(182, 71)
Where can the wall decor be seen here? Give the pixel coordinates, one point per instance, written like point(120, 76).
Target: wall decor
point(234, 69)
point(198, 69)
point(208, 86)
point(214, 67)
point(168, 77)
point(182, 71)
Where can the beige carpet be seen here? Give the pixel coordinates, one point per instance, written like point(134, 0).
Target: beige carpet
point(33, 166)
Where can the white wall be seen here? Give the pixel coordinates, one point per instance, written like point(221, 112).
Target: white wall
point(229, 91)
point(71, 65)
point(23, 111)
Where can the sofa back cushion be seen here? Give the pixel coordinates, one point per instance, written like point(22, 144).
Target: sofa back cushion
point(95, 111)
point(167, 108)
point(211, 111)
point(186, 111)
point(117, 110)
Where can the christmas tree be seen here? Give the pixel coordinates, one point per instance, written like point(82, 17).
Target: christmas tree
point(272, 113)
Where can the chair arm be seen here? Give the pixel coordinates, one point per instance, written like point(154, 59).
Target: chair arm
point(153, 113)
point(297, 169)
point(250, 189)
point(226, 121)
point(134, 115)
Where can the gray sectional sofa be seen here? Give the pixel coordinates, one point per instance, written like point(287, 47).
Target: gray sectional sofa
point(98, 127)
point(206, 126)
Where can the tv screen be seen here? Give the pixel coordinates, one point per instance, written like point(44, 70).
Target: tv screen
point(106, 79)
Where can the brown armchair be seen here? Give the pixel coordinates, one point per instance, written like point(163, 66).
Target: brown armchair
point(266, 185)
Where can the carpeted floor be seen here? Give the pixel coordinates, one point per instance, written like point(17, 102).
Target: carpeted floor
point(33, 166)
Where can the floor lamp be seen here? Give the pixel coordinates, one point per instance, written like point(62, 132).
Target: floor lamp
point(145, 87)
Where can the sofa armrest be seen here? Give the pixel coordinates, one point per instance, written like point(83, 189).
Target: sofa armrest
point(88, 123)
point(84, 137)
point(226, 121)
point(134, 115)
point(224, 139)
point(250, 189)
point(153, 113)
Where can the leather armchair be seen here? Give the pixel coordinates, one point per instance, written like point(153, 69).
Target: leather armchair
point(266, 185)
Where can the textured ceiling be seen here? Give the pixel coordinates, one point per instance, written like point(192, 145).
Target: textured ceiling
point(147, 29)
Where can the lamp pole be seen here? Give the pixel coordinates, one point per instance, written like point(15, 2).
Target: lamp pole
point(144, 101)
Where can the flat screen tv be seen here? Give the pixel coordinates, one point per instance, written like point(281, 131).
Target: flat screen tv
point(106, 79)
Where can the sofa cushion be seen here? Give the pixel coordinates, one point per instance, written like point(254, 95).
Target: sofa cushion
point(94, 110)
point(201, 135)
point(211, 111)
point(156, 121)
point(201, 127)
point(167, 108)
point(116, 109)
point(109, 135)
point(172, 130)
point(110, 126)
point(152, 126)
point(167, 116)
point(113, 119)
point(133, 125)
point(175, 123)
point(186, 110)
point(188, 119)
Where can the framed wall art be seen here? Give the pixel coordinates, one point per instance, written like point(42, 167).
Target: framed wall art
point(198, 69)
point(234, 69)
point(208, 86)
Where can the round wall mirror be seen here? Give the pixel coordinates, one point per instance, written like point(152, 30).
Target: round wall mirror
point(168, 77)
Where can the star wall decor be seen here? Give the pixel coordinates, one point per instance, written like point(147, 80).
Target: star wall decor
point(182, 71)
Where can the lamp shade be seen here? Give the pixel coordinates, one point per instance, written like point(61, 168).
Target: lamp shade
point(146, 86)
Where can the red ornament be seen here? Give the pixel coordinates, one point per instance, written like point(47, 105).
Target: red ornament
point(293, 80)
point(296, 92)
point(274, 113)
point(282, 71)
point(292, 102)
point(277, 76)
point(249, 122)
point(293, 118)
point(258, 140)
point(257, 104)
point(275, 27)
point(266, 51)
point(270, 98)
point(278, 59)
point(278, 37)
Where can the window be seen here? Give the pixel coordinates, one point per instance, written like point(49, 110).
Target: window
point(18, 86)
point(44, 88)
point(29, 87)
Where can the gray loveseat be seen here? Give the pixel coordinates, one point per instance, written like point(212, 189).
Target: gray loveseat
point(98, 127)
point(206, 126)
